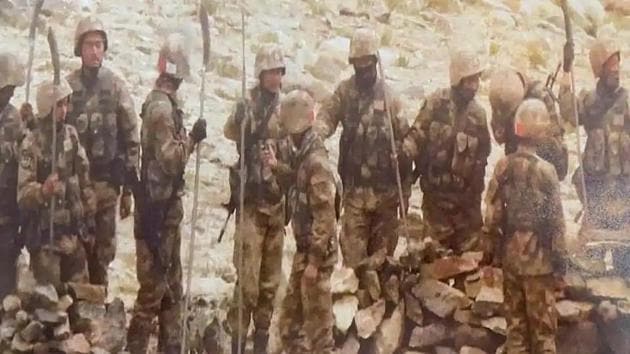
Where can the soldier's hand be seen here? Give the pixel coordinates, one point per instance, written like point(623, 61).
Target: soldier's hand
point(310, 274)
point(199, 131)
point(26, 112)
point(51, 184)
point(241, 111)
point(268, 158)
point(125, 204)
point(568, 57)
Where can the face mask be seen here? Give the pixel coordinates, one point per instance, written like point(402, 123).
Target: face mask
point(365, 76)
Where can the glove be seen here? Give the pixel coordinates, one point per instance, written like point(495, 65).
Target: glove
point(27, 116)
point(568, 57)
point(198, 132)
point(125, 204)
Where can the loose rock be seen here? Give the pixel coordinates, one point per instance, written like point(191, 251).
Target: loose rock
point(428, 336)
point(32, 332)
point(439, 298)
point(571, 311)
point(95, 294)
point(368, 319)
point(344, 281)
point(344, 311)
point(11, 304)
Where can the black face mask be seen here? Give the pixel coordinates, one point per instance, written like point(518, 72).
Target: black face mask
point(464, 94)
point(365, 76)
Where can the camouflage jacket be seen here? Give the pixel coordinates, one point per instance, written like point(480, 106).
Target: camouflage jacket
point(75, 200)
point(313, 198)
point(11, 133)
point(103, 113)
point(552, 149)
point(450, 146)
point(606, 119)
point(165, 146)
point(264, 133)
point(365, 146)
point(524, 217)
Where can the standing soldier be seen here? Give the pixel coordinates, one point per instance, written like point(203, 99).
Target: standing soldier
point(261, 237)
point(371, 201)
point(11, 132)
point(307, 321)
point(450, 143)
point(526, 234)
point(63, 260)
point(508, 88)
point(165, 152)
point(102, 112)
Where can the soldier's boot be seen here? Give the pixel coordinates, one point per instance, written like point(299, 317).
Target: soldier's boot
point(261, 338)
point(235, 346)
point(139, 334)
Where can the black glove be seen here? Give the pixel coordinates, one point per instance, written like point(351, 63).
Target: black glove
point(568, 56)
point(241, 111)
point(198, 132)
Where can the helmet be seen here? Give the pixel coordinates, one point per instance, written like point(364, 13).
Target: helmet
point(506, 92)
point(464, 63)
point(48, 94)
point(296, 111)
point(11, 71)
point(269, 57)
point(600, 52)
point(173, 59)
point(532, 119)
point(364, 42)
point(87, 25)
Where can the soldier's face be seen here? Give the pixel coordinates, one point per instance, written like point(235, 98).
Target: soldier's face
point(469, 86)
point(271, 80)
point(61, 110)
point(5, 95)
point(611, 71)
point(93, 50)
point(365, 71)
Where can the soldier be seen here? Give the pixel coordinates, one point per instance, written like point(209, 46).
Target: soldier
point(606, 118)
point(525, 228)
point(508, 88)
point(450, 144)
point(371, 202)
point(103, 113)
point(306, 326)
point(166, 149)
point(261, 237)
point(11, 127)
point(62, 259)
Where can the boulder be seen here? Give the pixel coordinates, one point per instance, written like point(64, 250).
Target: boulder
point(64, 303)
point(344, 311)
point(11, 304)
point(389, 335)
point(413, 309)
point(495, 324)
point(449, 267)
point(62, 331)
point(471, 350)
point(18, 344)
point(428, 336)
point(45, 296)
point(76, 344)
point(50, 318)
point(489, 301)
point(32, 332)
point(95, 294)
point(372, 284)
point(368, 319)
point(84, 314)
point(482, 338)
point(608, 288)
point(439, 298)
point(572, 311)
point(350, 346)
point(344, 281)
point(579, 338)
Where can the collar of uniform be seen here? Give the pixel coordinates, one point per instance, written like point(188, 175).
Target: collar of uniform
point(603, 91)
point(310, 141)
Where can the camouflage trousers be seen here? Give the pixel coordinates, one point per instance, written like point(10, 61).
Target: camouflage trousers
point(261, 239)
point(454, 226)
point(369, 228)
point(8, 256)
point(62, 262)
point(307, 319)
point(531, 315)
point(103, 251)
point(160, 293)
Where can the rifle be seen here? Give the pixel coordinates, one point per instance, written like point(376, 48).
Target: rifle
point(54, 53)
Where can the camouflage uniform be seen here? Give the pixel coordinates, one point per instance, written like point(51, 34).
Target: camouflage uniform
point(526, 235)
point(370, 218)
point(605, 116)
point(64, 260)
point(103, 113)
point(166, 149)
point(261, 236)
point(507, 90)
point(450, 144)
point(307, 321)
point(11, 133)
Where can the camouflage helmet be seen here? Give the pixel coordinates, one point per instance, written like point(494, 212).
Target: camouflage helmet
point(296, 111)
point(48, 94)
point(506, 92)
point(532, 119)
point(269, 57)
point(364, 42)
point(87, 25)
point(173, 57)
point(464, 63)
point(600, 52)
point(11, 71)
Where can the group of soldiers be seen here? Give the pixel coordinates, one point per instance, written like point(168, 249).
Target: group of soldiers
point(60, 199)
point(66, 216)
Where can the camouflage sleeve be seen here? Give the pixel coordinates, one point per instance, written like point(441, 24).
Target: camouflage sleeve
point(171, 153)
point(565, 98)
point(129, 133)
point(82, 166)
point(231, 129)
point(417, 136)
point(498, 128)
point(485, 145)
point(284, 173)
point(330, 114)
point(493, 220)
point(321, 193)
point(555, 220)
point(29, 193)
